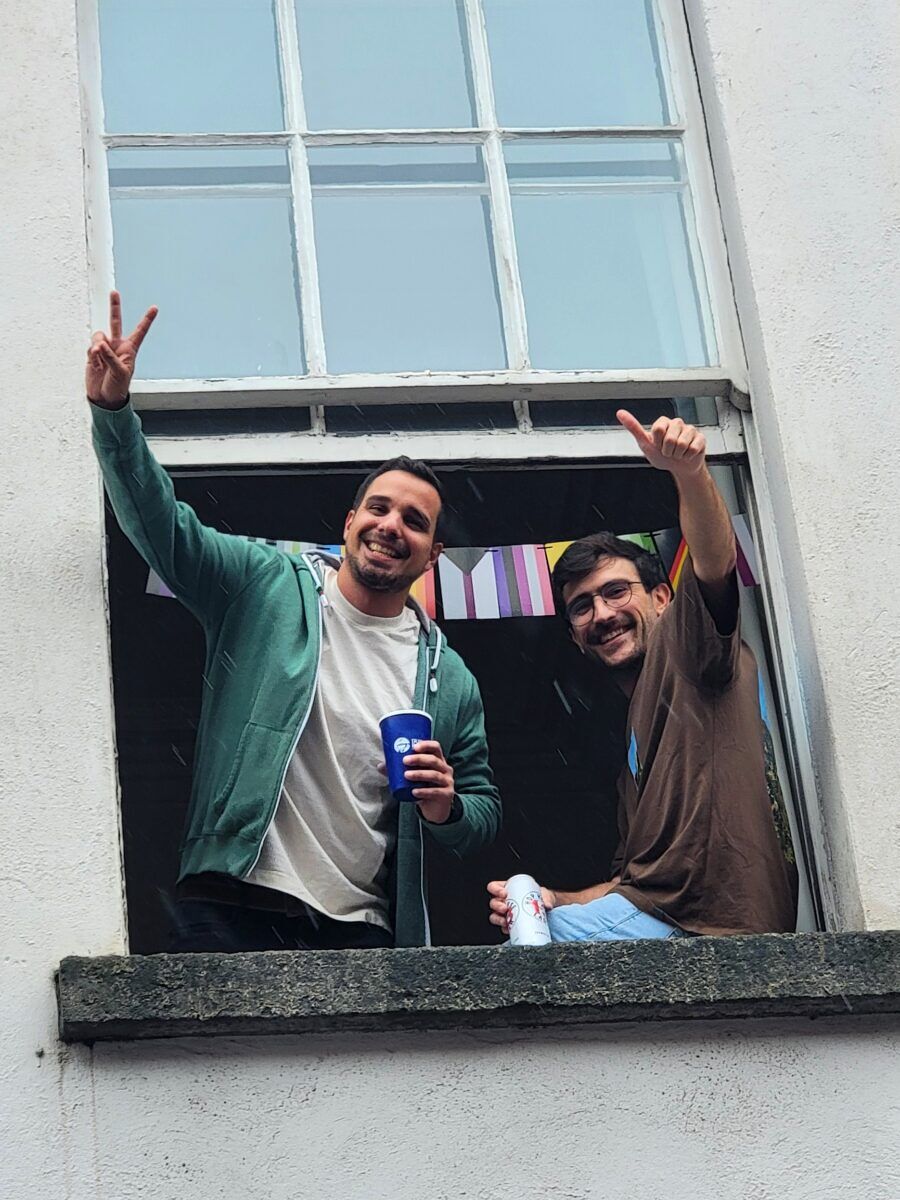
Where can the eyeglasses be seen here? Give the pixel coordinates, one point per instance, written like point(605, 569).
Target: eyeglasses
point(614, 594)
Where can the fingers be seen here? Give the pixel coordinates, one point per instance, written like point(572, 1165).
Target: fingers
point(93, 352)
point(421, 760)
point(425, 762)
point(431, 769)
point(102, 356)
point(634, 427)
point(140, 330)
point(427, 748)
point(117, 369)
point(433, 778)
point(499, 915)
point(115, 316)
point(673, 439)
point(499, 912)
point(427, 794)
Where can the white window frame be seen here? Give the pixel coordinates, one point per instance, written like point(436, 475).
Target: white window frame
point(727, 382)
point(516, 385)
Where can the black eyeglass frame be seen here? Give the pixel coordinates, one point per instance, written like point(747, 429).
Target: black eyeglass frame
point(628, 584)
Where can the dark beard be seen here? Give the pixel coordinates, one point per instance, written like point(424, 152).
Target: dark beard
point(373, 579)
point(631, 666)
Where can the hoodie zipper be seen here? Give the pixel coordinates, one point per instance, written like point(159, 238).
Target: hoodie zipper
point(312, 696)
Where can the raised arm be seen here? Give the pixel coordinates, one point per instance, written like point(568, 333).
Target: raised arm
point(203, 567)
point(680, 449)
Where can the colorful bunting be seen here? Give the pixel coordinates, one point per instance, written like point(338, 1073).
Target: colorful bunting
point(468, 584)
point(644, 540)
point(678, 565)
point(747, 565)
point(423, 592)
point(502, 581)
point(555, 551)
point(480, 583)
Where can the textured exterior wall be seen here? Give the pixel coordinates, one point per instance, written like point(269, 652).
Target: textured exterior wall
point(802, 95)
point(802, 101)
point(59, 858)
point(647, 1113)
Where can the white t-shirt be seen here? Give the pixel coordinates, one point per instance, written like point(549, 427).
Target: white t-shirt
point(335, 824)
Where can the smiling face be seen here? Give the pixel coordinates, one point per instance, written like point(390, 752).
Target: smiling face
point(614, 634)
point(390, 536)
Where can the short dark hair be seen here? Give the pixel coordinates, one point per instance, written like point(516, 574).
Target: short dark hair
point(412, 466)
point(582, 557)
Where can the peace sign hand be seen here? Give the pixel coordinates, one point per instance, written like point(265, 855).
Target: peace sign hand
point(111, 358)
point(670, 445)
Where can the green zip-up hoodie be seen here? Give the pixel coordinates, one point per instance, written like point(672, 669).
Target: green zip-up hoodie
point(260, 611)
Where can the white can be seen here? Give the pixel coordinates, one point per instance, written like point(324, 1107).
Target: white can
point(527, 917)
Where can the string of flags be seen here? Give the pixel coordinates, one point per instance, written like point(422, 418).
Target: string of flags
point(484, 583)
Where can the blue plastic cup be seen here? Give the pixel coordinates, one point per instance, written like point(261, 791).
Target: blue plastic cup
point(399, 731)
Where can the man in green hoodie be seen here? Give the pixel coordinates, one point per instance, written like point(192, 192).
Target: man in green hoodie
point(292, 839)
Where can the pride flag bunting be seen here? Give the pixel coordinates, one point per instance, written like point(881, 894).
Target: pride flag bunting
point(486, 583)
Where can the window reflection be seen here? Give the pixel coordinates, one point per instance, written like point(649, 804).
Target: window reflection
point(385, 64)
point(405, 257)
point(189, 66)
point(598, 63)
point(207, 234)
point(607, 269)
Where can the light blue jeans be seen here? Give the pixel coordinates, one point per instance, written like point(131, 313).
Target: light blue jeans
point(612, 918)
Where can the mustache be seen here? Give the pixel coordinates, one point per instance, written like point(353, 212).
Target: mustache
point(600, 631)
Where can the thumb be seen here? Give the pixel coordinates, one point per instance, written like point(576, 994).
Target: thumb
point(635, 428)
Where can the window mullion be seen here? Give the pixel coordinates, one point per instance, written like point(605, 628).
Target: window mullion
point(512, 300)
point(295, 121)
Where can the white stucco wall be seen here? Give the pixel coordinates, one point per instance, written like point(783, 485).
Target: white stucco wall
point(802, 102)
point(800, 96)
point(59, 860)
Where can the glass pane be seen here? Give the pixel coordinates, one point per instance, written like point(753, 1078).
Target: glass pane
point(604, 254)
point(417, 418)
point(385, 64)
point(575, 62)
point(189, 422)
point(207, 235)
point(591, 162)
point(405, 266)
point(594, 414)
point(189, 66)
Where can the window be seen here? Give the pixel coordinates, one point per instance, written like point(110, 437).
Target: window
point(555, 730)
point(463, 229)
point(330, 199)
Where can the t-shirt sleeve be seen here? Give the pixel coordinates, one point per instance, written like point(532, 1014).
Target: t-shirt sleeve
point(701, 653)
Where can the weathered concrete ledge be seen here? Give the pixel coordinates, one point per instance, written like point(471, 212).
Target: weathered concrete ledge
point(783, 975)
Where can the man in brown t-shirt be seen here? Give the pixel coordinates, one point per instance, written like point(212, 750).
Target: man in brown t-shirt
point(704, 845)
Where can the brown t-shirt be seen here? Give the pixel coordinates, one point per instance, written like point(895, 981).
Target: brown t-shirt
point(704, 842)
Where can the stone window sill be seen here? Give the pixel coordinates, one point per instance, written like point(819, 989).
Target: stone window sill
point(777, 975)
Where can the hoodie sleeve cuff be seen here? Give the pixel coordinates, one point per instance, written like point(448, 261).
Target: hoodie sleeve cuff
point(114, 426)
